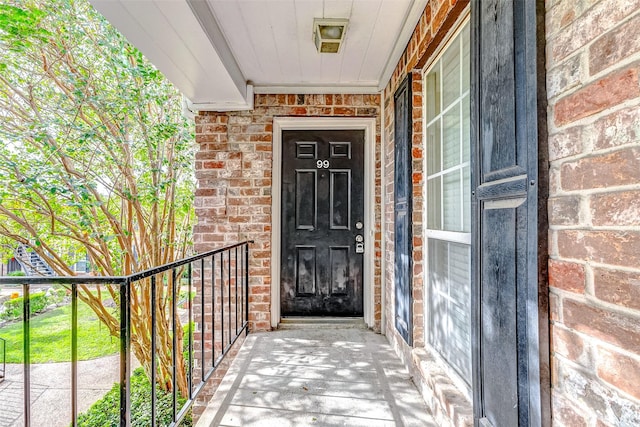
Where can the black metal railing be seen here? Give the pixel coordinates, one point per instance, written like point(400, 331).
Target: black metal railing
point(3, 355)
point(222, 278)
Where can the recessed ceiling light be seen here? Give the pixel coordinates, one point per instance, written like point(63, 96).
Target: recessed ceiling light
point(328, 34)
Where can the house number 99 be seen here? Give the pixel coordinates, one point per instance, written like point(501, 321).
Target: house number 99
point(322, 164)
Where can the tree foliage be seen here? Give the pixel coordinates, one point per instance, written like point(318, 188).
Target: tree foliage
point(95, 157)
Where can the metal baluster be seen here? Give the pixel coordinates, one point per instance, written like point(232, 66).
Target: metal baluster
point(213, 311)
point(229, 291)
point(246, 284)
point(125, 360)
point(236, 283)
point(74, 355)
point(153, 350)
point(190, 332)
point(26, 342)
point(174, 310)
point(222, 302)
point(202, 320)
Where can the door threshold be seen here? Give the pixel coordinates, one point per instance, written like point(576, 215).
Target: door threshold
point(297, 322)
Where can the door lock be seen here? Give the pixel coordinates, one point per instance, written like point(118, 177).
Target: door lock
point(359, 244)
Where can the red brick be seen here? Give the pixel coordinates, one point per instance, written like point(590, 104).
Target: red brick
point(621, 167)
point(607, 247)
point(567, 344)
point(614, 46)
point(564, 76)
point(344, 111)
point(617, 287)
point(564, 210)
point(561, 15)
point(616, 209)
point(595, 21)
point(610, 327)
point(567, 276)
point(598, 96)
point(619, 128)
point(620, 371)
point(565, 414)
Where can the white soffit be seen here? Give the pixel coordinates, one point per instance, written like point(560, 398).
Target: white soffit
point(212, 49)
point(170, 35)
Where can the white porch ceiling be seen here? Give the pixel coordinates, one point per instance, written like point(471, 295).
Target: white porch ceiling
point(218, 52)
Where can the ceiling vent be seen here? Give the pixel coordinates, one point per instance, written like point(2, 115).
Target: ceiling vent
point(328, 34)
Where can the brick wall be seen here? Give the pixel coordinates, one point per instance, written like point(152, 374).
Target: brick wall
point(233, 196)
point(446, 402)
point(593, 67)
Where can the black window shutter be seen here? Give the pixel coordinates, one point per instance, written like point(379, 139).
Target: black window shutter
point(504, 160)
point(403, 189)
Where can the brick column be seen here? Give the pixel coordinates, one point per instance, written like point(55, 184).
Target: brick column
point(593, 57)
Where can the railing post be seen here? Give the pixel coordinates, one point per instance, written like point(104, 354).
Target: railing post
point(190, 333)
point(236, 284)
point(203, 323)
point(153, 350)
point(222, 302)
point(246, 284)
point(26, 349)
point(174, 356)
point(74, 354)
point(213, 310)
point(229, 290)
point(125, 357)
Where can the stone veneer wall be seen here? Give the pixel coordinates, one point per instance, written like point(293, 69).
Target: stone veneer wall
point(447, 403)
point(233, 195)
point(593, 87)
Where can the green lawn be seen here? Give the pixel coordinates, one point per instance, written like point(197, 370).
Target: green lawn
point(51, 337)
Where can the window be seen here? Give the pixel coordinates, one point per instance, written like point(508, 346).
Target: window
point(448, 196)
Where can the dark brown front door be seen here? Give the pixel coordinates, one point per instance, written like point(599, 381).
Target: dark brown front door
point(322, 223)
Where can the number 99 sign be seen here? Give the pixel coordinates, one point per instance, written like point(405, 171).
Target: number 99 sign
point(322, 164)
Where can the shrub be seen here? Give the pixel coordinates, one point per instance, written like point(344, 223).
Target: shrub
point(56, 294)
point(106, 411)
point(13, 308)
point(17, 273)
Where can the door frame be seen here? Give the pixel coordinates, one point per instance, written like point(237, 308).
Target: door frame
point(368, 125)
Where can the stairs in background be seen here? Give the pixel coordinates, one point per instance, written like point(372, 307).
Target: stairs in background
point(32, 263)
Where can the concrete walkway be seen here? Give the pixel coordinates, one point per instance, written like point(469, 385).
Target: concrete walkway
point(51, 390)
point(317, 376)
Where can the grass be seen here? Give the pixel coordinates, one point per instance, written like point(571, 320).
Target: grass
point(51, 337)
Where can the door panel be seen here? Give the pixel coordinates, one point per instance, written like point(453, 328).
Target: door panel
point(322, 200)
point(403, 190)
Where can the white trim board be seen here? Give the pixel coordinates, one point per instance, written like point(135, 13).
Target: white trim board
point(325, 123)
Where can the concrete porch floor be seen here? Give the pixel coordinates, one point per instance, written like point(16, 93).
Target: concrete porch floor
point(317, 375)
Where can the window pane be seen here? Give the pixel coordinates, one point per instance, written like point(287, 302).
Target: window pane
point(466, 128)
point(466, 67)
point(451, 74)
point(452, 201)
point(439, 289)
point(466, 202)
point(438, 262)
point(451, 138)
point(434, 206)
point(433, 148)
point(433, 92)
point(450, 303)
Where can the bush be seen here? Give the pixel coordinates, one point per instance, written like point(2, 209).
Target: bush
point(56, 294)
point(17, 273)
point(13, 308)
point(106, 411)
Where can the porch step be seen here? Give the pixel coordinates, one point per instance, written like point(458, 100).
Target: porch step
point(322, 323)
